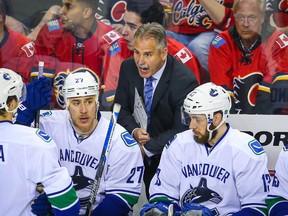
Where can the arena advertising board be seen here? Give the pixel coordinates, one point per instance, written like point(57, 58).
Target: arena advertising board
point(270, 130)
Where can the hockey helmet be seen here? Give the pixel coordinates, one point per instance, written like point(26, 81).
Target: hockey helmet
point(81, 82)
point(11, 85)
point(207, 99)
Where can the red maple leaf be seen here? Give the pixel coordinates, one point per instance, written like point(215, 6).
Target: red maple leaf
point(183, 55)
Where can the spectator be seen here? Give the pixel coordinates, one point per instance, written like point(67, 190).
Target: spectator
point(277, 200)
point(171, 80)
point(193, 23)
point(76, 40)
point(250, 60)
point(16, 50)
point(138, 13)
point(28, 20)
point(28, 156)
point(80, 132)
point(210, 169)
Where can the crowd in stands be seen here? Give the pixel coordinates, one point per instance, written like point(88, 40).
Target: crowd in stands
point(151, 54)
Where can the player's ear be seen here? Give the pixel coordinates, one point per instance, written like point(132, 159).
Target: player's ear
point(12, 104)
point(217, 118)
point(87, 12)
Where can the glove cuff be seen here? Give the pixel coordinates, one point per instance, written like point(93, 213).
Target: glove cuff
point(25, 116)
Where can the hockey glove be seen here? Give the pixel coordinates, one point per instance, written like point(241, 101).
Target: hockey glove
point(41, 206)
point(194, 209)
point(157, 209)
point(39, 94)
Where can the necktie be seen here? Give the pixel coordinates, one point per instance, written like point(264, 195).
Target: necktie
point(148, 96)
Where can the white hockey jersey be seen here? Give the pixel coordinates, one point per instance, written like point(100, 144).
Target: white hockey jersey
point(28, 156)
point(124, 167)
point(279, 185)
point(225, 178)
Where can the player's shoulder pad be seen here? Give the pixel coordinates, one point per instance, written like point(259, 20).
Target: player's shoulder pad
point(170, 141)
point(218, 41)
point(256, 147)
point(45, 137)
point(128, 139)
point(282, 40)
point(53, 25)
point(111, 36)
point(46, 113)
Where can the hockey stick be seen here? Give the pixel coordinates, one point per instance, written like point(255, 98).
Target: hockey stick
point(170, 210)
point(107, 142)
point(40, 74)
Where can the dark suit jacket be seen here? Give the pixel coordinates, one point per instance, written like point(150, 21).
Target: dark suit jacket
point(175, 83)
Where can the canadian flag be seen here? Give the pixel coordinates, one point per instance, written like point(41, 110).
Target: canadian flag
point(183, 55)
point(282, 40)
point(111, 36)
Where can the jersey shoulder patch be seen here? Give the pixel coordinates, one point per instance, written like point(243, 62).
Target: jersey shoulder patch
point(45, 137)
point(111, 36)
point(218, 41)
point(183, 55)
point(170, 141)
point(114, 49)
point(256, 147)
point(282, 40)
point(128, 139)
point(46, 113)
point(53, 25)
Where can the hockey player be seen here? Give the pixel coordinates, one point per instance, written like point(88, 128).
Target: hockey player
point(253, 58)
point(28, 156)
point(80, 132)
point(277, 200)
point(75, 40)
point(211, 167)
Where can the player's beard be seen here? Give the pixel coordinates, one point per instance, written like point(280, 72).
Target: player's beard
point(205, 138)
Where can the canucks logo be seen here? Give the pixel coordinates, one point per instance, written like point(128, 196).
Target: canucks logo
point(46, 113)
point(213, 92)
point(6, 76)
point(201, 194)
point(256, 147)
point(285, 148)
point(128, 139)
point(43, 135)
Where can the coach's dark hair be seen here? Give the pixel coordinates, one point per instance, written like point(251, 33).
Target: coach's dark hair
point(153, 30)
point(3, 10)
point(148, 10)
